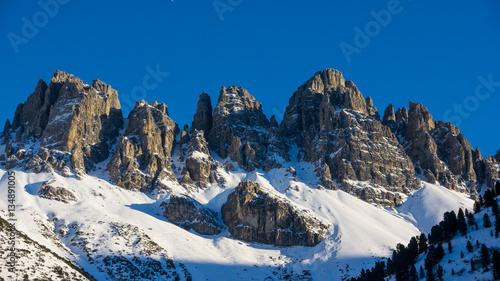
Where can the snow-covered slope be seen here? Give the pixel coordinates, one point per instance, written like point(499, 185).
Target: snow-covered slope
point(427, 205)
point(116, 234)
point(38, 262)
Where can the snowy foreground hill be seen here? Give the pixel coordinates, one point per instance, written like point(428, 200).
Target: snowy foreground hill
point(330, 191)
point(109, 225)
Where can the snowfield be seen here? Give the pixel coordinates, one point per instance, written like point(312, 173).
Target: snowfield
point(110, 227)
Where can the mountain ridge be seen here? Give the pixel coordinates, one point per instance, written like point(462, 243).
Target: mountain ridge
point(234, 175)
point(319, 112)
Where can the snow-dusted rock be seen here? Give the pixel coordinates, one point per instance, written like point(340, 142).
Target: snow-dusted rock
point(189, 214)
point(240, 128)
point(437, 149)
point(331, 123)
point(54, 191)
point(69, 116)
point(143, 156)
point(254, 215)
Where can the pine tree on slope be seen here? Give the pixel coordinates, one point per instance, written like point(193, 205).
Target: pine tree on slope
point(496, 265)
point(486, 221)
point(485, 256)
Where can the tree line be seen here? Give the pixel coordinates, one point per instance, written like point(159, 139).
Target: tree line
point(403, 259)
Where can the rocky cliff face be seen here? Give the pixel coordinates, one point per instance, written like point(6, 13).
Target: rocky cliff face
point(240, 128)
point(254, 215)
point(68, 116)
point(189, 214)
point(438, 150)
point(203, 120)
point(142, 158)
point(491, 170)
point(334, 125)
point(199, 165)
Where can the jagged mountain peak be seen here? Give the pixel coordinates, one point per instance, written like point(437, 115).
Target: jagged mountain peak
point(326, 80)
point(237, 100)
point(62, 76)
point(67, 116)
point(389, 115)
point(142, 158)
point(202, 119)
point(419, 118)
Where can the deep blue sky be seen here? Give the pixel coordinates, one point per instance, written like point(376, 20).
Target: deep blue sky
point(431, 52)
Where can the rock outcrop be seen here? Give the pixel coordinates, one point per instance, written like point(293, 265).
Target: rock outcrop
point(254, 215)
point(69, 116)
point(142, 158)
point(240, 128)
point(491, 171)
point(199, 165)
point(188, 213)
point(202, 120)
point(331, 123)
point(438, 150)
point(53, 191)
point(389, 115)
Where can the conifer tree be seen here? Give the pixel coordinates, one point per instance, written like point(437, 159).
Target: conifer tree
point(469, 246)
point(496, 265)
point(470, 219)
point(422, 273)
point(462, 224)
point(422, 244)
point(494, 208)
point(497, 188)
point(489, 197)
point(440, 273)
point(497, 224)
point(412, 249)
point(439, 252)
point(449, 225)
point(390, 266)
point(485, 256)
point(413, 274)
point(450, 247)
point(436, 234)
point(486, 221)
point(477, 206)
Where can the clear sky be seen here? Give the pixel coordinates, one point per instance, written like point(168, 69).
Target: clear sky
point(444, 54)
